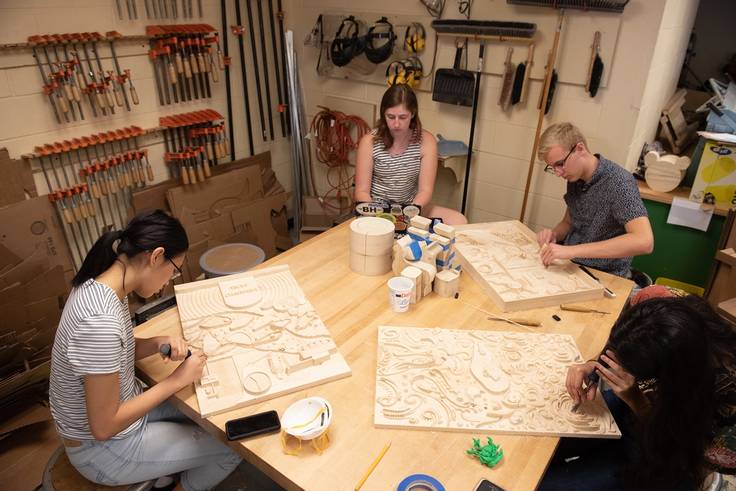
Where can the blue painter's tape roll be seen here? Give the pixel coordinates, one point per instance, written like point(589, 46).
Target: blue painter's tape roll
point(419, 482)
point(416, 250)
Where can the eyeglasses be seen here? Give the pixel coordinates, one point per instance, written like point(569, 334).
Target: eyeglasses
point(552, 168)
point(178, 270)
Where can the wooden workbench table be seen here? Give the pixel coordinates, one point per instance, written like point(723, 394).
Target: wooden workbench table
point(352, 307)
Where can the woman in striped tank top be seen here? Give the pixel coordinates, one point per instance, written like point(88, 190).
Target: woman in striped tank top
point(397, 161)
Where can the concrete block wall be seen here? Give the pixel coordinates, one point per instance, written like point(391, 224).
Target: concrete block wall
point(27, 119)
point(616, 122)
point(503, 142)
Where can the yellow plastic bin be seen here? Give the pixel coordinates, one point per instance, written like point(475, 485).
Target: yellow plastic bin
point(686, 287)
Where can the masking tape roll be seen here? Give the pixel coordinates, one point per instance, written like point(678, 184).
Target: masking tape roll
point(420, 482)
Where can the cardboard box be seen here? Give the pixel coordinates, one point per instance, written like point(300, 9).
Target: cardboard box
point(715, 180)
point(154, 197)
point(317, 217)
point(32, 228)
point(207, 200)
point(17, 182)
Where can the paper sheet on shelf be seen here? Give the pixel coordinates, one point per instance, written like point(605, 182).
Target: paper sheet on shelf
point(721, 137)
point(689, 214)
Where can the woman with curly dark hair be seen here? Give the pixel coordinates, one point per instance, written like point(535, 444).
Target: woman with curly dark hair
point(672, 361)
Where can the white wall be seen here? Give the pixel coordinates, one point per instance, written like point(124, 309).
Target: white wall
point(28, 119)
point(664, 70)
point(504, 142)
point(616, 122)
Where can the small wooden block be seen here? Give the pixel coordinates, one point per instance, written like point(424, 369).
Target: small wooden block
point(371, 236)
point(445, 230)
point(446, 283)
point(420, 222)
point(370, 265)
point(429, 271)
point(424, 234)
point(443, 241)
point(415, 275)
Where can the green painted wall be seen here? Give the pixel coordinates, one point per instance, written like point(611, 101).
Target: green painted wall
point(680, 253)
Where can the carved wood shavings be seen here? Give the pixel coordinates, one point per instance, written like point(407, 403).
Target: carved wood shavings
point(505, 382)
point(503, 258)
point(262, 336)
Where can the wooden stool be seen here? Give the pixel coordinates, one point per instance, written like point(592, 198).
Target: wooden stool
point(60, 475)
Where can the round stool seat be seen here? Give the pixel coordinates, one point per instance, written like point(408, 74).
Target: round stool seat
point(230, 259)
point(61, 475)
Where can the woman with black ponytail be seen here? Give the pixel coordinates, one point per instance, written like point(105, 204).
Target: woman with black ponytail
point(670, 364)
point(115, 433)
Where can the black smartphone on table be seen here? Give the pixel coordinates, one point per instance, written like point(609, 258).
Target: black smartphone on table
point(255, 424)
point(486, 485)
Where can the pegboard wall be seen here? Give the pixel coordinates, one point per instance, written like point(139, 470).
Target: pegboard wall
point(573, 55)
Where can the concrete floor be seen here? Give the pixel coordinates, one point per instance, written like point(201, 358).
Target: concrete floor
point(24, 454)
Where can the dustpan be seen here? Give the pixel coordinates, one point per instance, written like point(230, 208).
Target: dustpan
point(454, 85)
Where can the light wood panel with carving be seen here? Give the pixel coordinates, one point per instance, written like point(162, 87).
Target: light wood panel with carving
point(503, 258)
point(261, 335)
point(504, 382)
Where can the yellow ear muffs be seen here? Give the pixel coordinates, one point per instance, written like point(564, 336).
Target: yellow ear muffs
point(414, 72)
point(396, 73)
point(414, 38)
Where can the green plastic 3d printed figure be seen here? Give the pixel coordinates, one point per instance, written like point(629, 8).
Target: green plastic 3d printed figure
point(489, 455)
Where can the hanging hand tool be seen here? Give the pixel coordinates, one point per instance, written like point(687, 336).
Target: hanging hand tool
point(111, 37)
point(148, 8)
point(255, 68)
point(277, 75)
point(595, 71)
point(507, 85)
point(70, 40)
point(280, 14)
point(47, 87)
point(135, 9)
point(119, 9)
point(521, 79)
point(159, 74)
point(224, 61)
point(94, 38)
point(540, 119)
point(74, 75)
point(136, 132)
point(264, 57)
point(546, 97)
point(238, 31)
point(93, 86)
point(133, 92)
point(65, 216)
point(54, 85)
point(66, 76)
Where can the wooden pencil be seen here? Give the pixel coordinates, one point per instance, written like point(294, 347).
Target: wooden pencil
point(373, 466)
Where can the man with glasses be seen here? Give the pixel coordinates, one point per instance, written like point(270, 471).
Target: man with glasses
point(605, 223)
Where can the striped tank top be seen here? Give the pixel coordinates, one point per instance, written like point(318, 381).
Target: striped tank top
point(95, 336)
point(396, 177)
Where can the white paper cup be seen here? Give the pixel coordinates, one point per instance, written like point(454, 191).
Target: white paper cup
point(399, 293)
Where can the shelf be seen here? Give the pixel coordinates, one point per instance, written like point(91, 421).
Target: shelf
point(727, 309)
point(666, 198)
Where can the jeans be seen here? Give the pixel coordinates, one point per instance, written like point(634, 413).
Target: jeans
point(168, 443)
point(586, 464)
